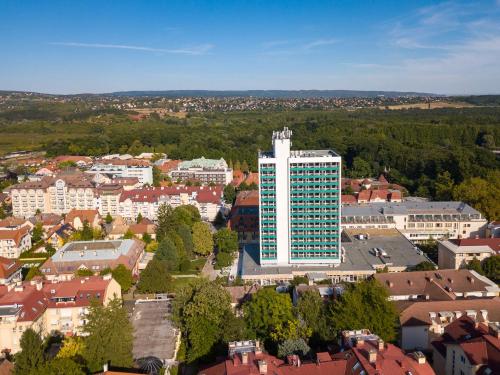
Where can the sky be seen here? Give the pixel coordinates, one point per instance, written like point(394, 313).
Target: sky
point(69, 47)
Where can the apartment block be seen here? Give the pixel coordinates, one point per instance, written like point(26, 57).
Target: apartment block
point(299, 204)
point(144, 173)
point(13, 242)
point(206, 171)
point(458, 253)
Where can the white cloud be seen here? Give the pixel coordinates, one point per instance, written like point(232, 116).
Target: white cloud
point(196, 50)
point(291, 47)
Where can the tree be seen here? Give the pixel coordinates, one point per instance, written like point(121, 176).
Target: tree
point(167, 251)
point(292, 329)
point(229, 194)
point(223, 259)
point(123, 276)
point(139, 218)
point(86, 233)
point(108, 336)
point(202, 239)
point(157, 177)
point(475, 265)
point(30, 358)
point(364, 305)
point(128, 235)
point(482, 194)
point(226, 241)
point(184, 231)
point(204, 319)
point(491, 268)
point(244, 167)
point(109, 218)
point(60, 366)
point(444, 186)
point(296, 346)
point(237, 166)
point(146, 237)
point(72, 348)
point(360, 168)
point(312, 310)
point(33, 271)
point(424, 266)
point(155, 277)
point(3, 215)
point(37, 233)
point(163, 215)
point(266, 310)
point(82, 272)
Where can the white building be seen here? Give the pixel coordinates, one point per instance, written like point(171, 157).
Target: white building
point(299, 204)
point(417, 220)
point(14, 241)
point(144, 173)
point(206, 171)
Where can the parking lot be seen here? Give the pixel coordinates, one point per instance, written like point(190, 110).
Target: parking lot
point(154, 334)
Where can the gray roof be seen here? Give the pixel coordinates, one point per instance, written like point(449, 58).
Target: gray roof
point(92, 250)
point(408, 208)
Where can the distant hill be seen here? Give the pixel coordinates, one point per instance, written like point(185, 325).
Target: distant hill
point(283, 94)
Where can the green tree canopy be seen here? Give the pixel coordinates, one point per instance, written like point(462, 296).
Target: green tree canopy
point(266, 310)
point(364, 305)
point(168, 252)
point(108, 336)
point(226, 241)
point(123, 276)
point(155, 277)
point(30, 359)
point(37, 233)
point(312, 310)
point(229, 194)
point(59, 366)
point(202, 239)
point(109, 218)
point(491, 268)
point(424, 266)
point(475, 265)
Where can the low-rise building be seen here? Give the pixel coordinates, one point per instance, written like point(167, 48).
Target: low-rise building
point(51, 306)
point(94, 256)
point(244, 217)
point(142, 170)
point(206, 171)
point(468, 348)
point(457, 253)
point(14, 241)
point(10, 271)
point(417, 220)
point(422, 322)
point(76, 218)
point(437, 285)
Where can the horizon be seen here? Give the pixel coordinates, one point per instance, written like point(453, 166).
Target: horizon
point(441, 47)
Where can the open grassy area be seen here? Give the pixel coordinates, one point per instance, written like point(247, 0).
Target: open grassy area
point(179, 282)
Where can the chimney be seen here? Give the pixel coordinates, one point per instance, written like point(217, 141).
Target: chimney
point(389, 284)
point(419, 357)
point(360, 342)
point(484, 314)
point(262, 367)
point(105, 367)
point(258, 349)
point(372, 356)
point(381, 346)
point(244, 358)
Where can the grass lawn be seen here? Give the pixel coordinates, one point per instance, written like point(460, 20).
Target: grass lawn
point(180, 282)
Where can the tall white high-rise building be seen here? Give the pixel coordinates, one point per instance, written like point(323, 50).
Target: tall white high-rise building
point(299, 204)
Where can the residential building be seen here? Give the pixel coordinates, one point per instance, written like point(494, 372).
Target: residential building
point(467, 348)
point(10, 271)
point(244, 217)
point(206, 171)
point(60, 194)
point(14, 241)
point(422, 322)
point(438, 285)
point(124, 169)
point(326, 292)
point(59, 235)
point(94, 256)
point(457, 253)
point(366, 353)
point(356, 185)
point(241, 294)
point(418, 220)
point(76, 218)
point(51, 306)
point(299, 204)
point(81, 161)
point(109, 199)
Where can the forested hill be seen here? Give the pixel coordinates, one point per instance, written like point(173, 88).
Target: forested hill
point(278, 94)
point(426, 151)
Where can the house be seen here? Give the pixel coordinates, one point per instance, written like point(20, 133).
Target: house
point(6, 367)
point(14, 241)
point(365, 353)
point(59, 235)
point(241, 294)
point(116, 229)
point(457, 253)
point(326, 292)
point(76, 218)
point(94, 256)
point(438, 285)
point(468, 348)
point(145, 226)
point(81, 161)
point(424, 321)
point(11, 223)
point(10, 271)
point(47, 220)
point(244, 217)
point(51, 306)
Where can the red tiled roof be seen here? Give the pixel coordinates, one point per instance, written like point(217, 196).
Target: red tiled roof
point(247, 198)
point(88, 215)
point(492, 243)
point(33, 302)
point(151, 195)
point(347, 199)
point(169, 166)
point(8, 267)
point(11, 222)
point(17, 234)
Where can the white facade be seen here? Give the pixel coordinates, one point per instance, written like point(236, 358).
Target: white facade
point(143, 173)
point(299, 205)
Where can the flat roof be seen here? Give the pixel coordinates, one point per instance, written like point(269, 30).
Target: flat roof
point(359, 256)
point(92, 250)
point(409, 208)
